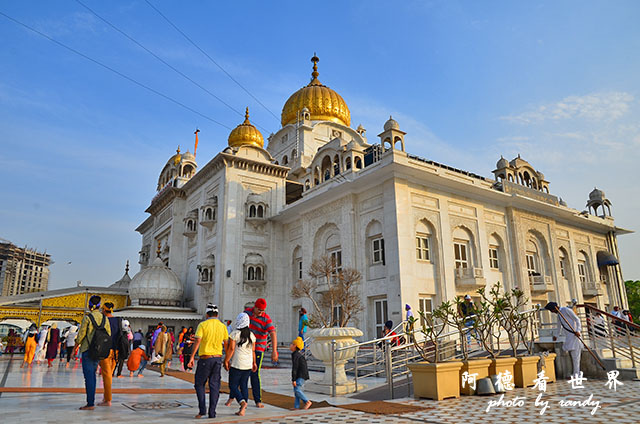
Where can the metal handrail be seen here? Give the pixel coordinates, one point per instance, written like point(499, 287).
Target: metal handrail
point(370, 347)
point(618, 335)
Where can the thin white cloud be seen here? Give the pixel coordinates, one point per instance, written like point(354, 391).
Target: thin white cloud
point(75, 23)
point(605, 106)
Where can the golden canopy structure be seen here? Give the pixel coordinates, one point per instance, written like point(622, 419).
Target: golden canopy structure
point(62, 305)
point(323, 103)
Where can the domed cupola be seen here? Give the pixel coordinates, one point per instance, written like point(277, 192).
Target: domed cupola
point(246, 134)
point(502, 163)
point(124, 282)
point(391, 124)
point(323, 103)
point(156, 285)
point(178, 170)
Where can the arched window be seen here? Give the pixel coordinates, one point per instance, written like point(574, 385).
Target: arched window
point(251, 273)
point(423, 242)
point(285, 160)
point(533, 258)
point(375, 240)
point(386, 144)
point(260, 211)
point(495, 252)
point(294, 153)
point(583, 268)
point(252, 211)
point(259, 273)
point(564, 263)
point(462, 248)
point(347, 163)
point(358, 163)
point(326, 168)
point(208, 214)
point(336, 165)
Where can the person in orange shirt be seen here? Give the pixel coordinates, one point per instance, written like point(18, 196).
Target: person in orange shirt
point(137, 360)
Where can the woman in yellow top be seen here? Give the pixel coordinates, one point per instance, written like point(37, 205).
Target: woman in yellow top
point(29, 347)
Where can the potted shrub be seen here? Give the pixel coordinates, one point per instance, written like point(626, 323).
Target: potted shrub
point(476, 367)
point(434, 378)
point(519, 328)
point(335, 298)
point(488, 329)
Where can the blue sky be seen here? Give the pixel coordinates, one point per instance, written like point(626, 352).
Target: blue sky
point(81, 148)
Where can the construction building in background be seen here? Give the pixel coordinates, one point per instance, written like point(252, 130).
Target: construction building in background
point(22, 270)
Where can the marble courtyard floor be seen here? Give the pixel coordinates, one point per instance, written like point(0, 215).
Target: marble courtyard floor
point(53, 395)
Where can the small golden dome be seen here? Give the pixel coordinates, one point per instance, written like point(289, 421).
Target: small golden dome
point(246, 134)
point(323, 103)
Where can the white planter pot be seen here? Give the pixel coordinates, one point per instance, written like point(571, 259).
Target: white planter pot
point(321, 350)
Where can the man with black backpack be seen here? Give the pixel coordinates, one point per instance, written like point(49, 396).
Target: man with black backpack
point(94, 343)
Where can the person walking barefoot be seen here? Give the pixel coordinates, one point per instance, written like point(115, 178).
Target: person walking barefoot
point(240, 361)
point(299, 373)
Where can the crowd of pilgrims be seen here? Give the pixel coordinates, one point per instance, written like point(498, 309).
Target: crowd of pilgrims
point(49, 342)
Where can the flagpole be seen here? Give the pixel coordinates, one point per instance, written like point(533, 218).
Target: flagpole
point(195, 149)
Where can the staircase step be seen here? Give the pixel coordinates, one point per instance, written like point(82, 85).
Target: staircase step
point(629, 374)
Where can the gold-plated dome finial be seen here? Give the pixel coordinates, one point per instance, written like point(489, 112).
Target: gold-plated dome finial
point(323, 103)
point(315, 73)
point(177, 157)
point(246, 134)
point(158, 250)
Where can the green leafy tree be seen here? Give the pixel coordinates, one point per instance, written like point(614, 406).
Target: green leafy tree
point(633, 295)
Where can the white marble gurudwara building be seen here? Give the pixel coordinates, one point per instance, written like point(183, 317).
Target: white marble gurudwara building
point(250, 221)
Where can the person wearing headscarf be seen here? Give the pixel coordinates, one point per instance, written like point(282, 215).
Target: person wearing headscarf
point(386, 331)
point(187, 340)
point(211, 340)
point(240, 361)
point(29, 346)
point(299, 373)
point(86, 333)
point(53, 340)
point(122, 347)
point(162, 349)
point(70, 341)
point(303, 323)
point(137, 360)
point(108, 364)
point(569, 325)
point(41, 348)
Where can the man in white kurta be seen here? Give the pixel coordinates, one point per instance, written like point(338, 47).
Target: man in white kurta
point(571, 329)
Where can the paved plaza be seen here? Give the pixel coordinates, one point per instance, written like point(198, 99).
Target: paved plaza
point(53, 395)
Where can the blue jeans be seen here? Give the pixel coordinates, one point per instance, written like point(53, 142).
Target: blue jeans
point(255, 379)
point(297, 391)
point(143, 365)
point(89, 368)
point(239, 384)
point(471, 332)
point(208, 369)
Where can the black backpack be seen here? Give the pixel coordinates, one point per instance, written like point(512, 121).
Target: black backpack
point(100, 344)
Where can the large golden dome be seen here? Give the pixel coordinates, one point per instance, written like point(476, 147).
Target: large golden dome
point(323, 103)
point(246, 134)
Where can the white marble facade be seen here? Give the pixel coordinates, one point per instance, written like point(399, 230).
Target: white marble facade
point(246, 223)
